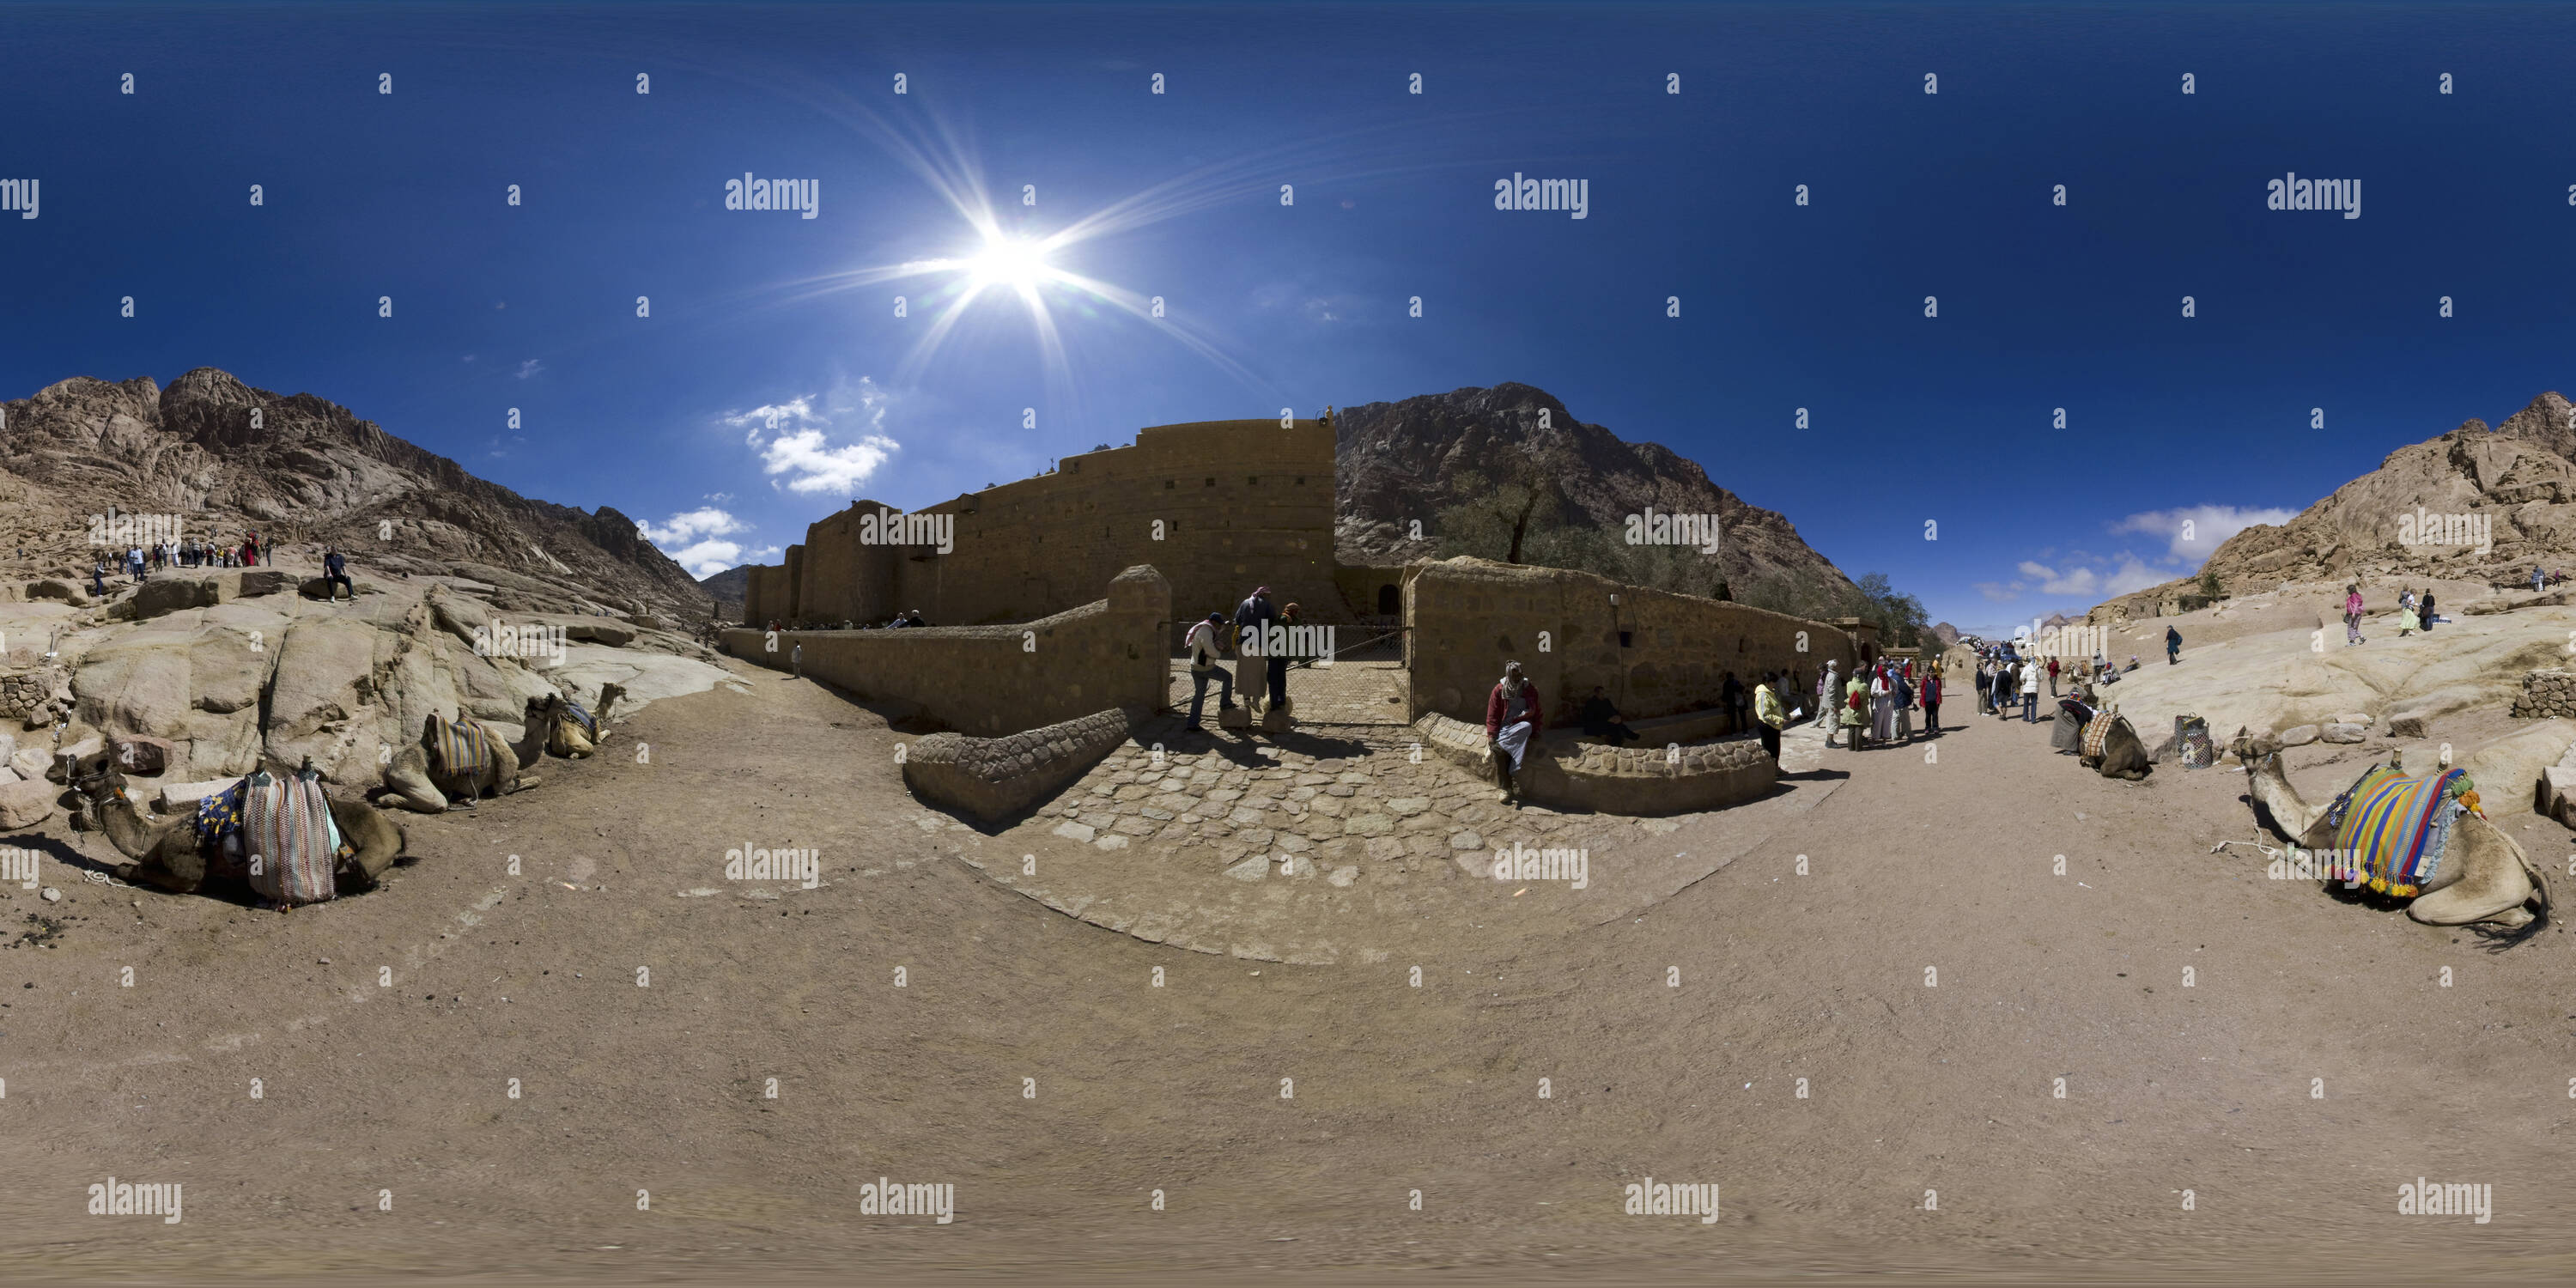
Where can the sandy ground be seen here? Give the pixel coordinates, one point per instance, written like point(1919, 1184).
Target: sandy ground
point(1030, 1061)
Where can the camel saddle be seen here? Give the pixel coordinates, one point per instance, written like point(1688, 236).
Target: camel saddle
point(2391, 830)
point(2097, 733)
point(457, 746)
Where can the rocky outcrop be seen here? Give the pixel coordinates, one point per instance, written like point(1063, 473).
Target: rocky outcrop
point(2515, 485)
point(1400, 462)
point(226, 458)
point(2547, 692)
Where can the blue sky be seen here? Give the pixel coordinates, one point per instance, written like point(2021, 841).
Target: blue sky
point(1911, 419)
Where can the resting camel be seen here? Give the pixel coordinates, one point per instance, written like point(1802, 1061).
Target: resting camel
point(2123, 755)
point(166, 854)
point(419, 782)
point(2484, 877)
point(565, 735)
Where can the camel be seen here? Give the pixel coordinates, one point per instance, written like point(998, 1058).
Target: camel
point(419, 783)
point(565, 735)
point(166, 854)
point(2123, 755)
point(2484, 877)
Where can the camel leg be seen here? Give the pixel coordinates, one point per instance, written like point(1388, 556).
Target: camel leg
point(2490, 884)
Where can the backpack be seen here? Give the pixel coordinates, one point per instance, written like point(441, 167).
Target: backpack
point(1904, 692)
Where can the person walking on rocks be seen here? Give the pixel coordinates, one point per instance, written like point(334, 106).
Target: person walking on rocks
point(2424, 611)
point(1512, 720)
point(1767, 715)
point(250, 550)
point(1204, 643)
point(2352, 615)
point(2173, 646)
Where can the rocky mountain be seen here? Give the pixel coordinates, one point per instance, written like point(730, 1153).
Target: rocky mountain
point(2471, 505)
point(224, 458)
point(728, 588)
point(1946, 633)
point(1402, 461)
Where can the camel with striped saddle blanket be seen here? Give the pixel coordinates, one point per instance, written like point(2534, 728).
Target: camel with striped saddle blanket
point(2482, 874)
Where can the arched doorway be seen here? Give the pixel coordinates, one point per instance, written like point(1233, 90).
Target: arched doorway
point(1389, 601)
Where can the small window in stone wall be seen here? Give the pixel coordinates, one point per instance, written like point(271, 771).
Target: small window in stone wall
point(1251, 481)
point(1169, 484)
point(1211, 483)
point(1301, 480)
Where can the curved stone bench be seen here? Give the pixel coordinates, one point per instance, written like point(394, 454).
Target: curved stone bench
point(1634, 781)
point(991, 779)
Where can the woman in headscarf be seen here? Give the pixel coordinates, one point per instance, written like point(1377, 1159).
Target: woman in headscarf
point(1882, 703)
point(1512, 719)
point(2406, 615)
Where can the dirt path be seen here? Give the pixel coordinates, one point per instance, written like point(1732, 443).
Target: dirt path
point(1178, 1088)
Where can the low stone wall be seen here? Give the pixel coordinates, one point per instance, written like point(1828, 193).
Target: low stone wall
point(1656, 653)
point(2545, 693)
point(994, 680)
point(992, 779)
point(1632, 781)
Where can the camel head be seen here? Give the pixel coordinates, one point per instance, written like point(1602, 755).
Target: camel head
point(2249, 749)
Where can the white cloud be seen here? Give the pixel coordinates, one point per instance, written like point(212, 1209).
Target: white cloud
point(1996, 592)
point(707, 558)
point(2074, 581)
point(816, 466)
point(706, 521)
point(2133, 576)
point(2194, 532)
point(531, 367)
point(768, 417)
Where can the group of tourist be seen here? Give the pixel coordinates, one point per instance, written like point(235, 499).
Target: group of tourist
point(1253, 620)
point(2414, 612)
point(187, 552)
point(1877, 703)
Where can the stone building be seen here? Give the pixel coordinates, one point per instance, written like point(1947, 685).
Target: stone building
point(1218, 507)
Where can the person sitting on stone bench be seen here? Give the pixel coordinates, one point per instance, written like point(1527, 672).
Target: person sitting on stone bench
point(1601, 720)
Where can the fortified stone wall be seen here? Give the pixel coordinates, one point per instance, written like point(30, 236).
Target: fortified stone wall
point(997, 680)
point(1239, 503)
point(1469, 616)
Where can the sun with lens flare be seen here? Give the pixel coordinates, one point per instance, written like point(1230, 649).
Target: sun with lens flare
point(1010, 262)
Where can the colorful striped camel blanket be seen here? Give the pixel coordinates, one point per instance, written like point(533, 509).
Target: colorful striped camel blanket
point(292, 841)
point(457, 747)
point(2097, 733)
point(589, 724)
point(2390, 830)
